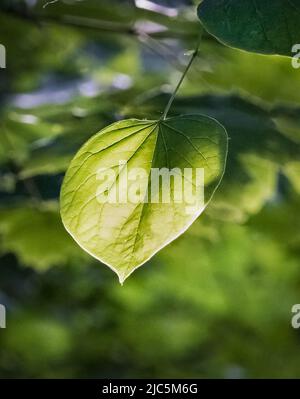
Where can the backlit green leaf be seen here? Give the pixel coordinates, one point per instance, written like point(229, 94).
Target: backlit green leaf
point(260, 26)
point(125, 235)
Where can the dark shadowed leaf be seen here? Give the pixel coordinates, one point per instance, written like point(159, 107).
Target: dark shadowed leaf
point(262, 26)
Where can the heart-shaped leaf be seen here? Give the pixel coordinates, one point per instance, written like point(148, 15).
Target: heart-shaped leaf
point(118, 163)
point(260, 26)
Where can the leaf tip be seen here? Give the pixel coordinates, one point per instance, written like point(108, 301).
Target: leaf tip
point(121, 281)
point(122, 277)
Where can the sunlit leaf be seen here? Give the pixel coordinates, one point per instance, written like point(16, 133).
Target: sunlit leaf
point(125, 235)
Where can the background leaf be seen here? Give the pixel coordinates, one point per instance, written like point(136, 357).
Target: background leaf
point(41, 243)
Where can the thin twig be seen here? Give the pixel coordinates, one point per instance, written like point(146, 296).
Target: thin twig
point(195, 53)
point(50, 2)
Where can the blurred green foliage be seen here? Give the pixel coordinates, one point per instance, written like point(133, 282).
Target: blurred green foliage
point(216, 302)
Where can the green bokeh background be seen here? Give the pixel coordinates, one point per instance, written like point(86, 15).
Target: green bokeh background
point(217, 301)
